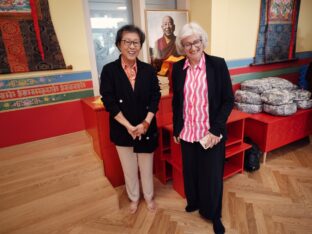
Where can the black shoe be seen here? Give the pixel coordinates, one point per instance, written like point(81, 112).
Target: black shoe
point(189, 208)
point(218, 226)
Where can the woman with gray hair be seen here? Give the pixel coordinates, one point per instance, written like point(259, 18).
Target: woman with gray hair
point(202, 101)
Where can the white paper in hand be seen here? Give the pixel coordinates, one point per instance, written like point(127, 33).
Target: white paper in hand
point(204, 140)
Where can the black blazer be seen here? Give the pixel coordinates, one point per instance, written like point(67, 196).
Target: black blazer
point(220, 95)
point(118, 95)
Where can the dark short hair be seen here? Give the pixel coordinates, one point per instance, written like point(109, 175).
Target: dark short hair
point(129, 28)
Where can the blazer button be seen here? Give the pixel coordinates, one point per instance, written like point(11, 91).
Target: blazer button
point(120, 100)
point(147, 138)
point(146, 107)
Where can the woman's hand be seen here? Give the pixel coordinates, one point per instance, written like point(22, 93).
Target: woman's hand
point(141, 128)
point(212, 140)
point(123, 121)
point(132, 131)
point(176, 139)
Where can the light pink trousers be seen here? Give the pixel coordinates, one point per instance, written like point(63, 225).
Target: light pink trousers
point(131, 164)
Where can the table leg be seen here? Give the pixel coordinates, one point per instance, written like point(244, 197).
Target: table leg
point(264, 157)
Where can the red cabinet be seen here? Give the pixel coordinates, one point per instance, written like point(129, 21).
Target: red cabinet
point(270, 132)
point(235, 146)
point(171, 156)
point(97, 125)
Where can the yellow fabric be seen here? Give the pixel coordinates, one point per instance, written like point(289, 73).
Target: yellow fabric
point(98, 101)
point(164, 69)
point(172, 58)
point(165, 65)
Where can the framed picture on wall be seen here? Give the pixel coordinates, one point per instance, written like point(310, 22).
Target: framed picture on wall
point(162, 27)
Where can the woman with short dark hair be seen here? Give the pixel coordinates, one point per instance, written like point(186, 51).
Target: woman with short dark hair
point(130, 93)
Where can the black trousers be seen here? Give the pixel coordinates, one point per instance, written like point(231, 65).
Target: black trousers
point(203, 177)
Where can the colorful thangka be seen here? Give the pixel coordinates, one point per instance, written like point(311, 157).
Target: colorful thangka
point(27, 38)
point(277, 31)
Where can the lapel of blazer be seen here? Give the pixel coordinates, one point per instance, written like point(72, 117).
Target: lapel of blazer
point(123, 79)
point(180, 83)
point(138, 78)
point(181, 76)
point(210, 78)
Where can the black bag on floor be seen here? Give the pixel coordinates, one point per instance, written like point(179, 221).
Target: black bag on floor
point(252, 156)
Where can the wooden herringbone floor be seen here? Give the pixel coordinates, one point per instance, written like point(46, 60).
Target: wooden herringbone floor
point(57, 185)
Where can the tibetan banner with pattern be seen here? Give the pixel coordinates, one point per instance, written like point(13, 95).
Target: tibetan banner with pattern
point(27, 38)
point(277, 31)
point(21, 93)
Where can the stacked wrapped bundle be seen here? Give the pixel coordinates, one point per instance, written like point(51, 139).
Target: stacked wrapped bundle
point(162, 75)
point(163, 85)
point(277, 97)
point(302, 98)
point(273, 95)
point(256, 85)
point(248, 98)
point(248, 101)
point(279, 83)
point(279, 102)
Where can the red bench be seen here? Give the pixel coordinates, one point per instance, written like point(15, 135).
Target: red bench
point(270, 132)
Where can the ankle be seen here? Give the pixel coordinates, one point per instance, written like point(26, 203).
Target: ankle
point(151, 205)
point(218, 226)
point(133, 206)
point(189, 208)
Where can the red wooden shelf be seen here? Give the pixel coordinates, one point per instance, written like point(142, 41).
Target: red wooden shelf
point(237, 115)
point(271, 132)
point(232, 140)
point(235, 148)
point(166, 155)
point(230, 170)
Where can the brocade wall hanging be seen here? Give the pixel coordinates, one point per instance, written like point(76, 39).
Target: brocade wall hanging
point(27, 38)
point(277, 31)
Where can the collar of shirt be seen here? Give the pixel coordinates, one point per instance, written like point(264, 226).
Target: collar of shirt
point(200, 65)
point(127, 68)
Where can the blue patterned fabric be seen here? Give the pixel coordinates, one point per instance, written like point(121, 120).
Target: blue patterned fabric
point(277, 31)
point(303, 82)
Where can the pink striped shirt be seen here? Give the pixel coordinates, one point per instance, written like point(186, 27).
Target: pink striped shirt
point(195, 109)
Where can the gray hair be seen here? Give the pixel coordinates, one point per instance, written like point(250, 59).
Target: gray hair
point(188, 30)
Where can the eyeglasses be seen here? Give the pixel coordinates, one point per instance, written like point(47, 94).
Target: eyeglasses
point(195, 43)
point(128, 43)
